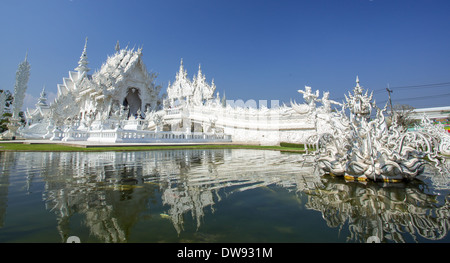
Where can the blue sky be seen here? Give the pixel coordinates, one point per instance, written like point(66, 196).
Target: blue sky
point(260, 50)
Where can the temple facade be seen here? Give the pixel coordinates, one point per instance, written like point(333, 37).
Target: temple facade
point(121, 103)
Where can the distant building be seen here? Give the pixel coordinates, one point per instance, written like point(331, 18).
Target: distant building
point(436, 114)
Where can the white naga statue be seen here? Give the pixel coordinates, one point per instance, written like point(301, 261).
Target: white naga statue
point(360, 148)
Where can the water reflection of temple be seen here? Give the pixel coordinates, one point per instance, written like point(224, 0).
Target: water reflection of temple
point(389, 212)
point(200, 177)
point(111, 190)
point(4, 184)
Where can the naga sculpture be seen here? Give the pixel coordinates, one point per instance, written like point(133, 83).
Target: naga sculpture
point(362, 148)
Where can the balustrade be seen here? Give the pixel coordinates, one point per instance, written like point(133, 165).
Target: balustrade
point(135, 136)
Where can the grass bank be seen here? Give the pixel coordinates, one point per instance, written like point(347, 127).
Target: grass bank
point(42, 147)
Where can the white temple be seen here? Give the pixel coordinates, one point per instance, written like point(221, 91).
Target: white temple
point(122, 103)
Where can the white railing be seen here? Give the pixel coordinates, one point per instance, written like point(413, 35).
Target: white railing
point(138, 136)
point(173, 111)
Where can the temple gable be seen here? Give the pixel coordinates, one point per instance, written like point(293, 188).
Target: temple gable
point(122, 81)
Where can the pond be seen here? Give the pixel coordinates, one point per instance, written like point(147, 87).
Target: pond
point(221, 195)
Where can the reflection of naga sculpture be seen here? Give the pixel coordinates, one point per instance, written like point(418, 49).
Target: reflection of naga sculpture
point(361, 148)
point(388, 213)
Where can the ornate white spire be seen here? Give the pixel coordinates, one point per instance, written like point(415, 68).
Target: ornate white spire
point(181, 65)
point(200, 77)
point(22, 77)
point(117, 48)
point(358, 88)
point(182, 74)
point(43, 99)
point(224, 100)
point(3, 98)
point(82, 64)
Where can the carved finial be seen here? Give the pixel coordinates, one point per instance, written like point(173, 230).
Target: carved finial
point(82, 64)
point(358, 89)
point(181, 67)
point(199, 74)
point(43, 94)
point(117, 48)
point(42, 99)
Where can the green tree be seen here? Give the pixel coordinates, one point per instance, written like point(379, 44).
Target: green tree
point(6, 100)
point(402, 115)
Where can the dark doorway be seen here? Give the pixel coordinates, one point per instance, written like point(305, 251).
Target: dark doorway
point(133, 101)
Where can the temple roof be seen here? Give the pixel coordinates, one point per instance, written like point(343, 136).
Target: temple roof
point(110, 74)
point(195, 90)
